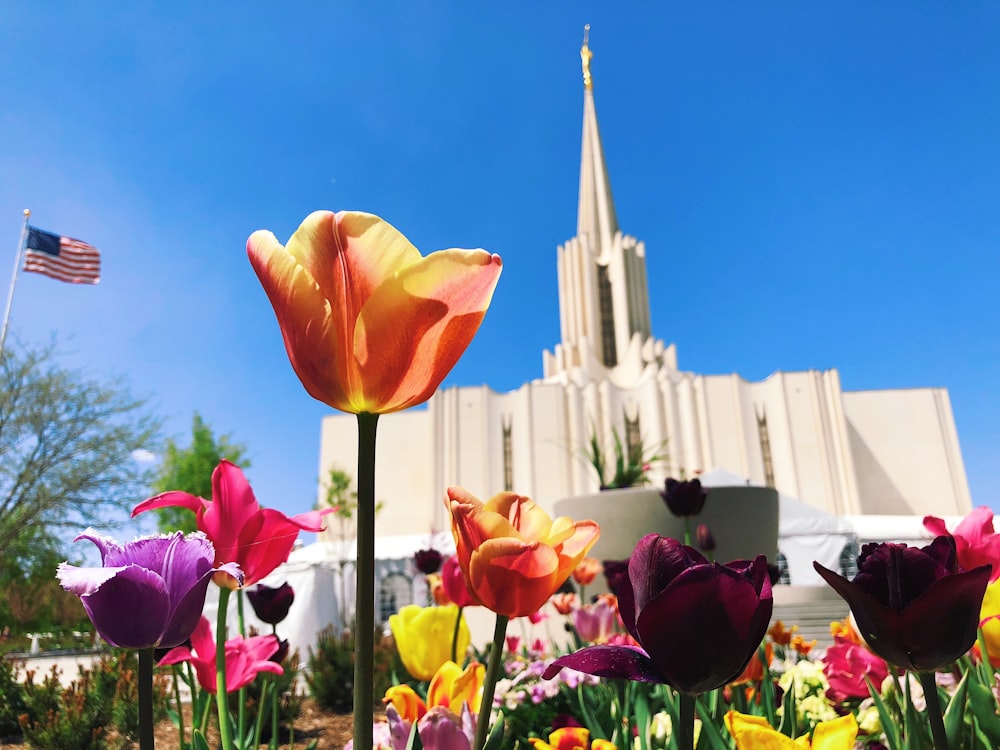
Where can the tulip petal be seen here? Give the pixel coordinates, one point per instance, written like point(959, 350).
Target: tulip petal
point(173, 499)
point(419, 323)
point(531, 522)
point(84, 581)
point(879, 626)
point(130, 609)
point(615, 662)
point(732, 621)
point(941, 624)
point(515, 578)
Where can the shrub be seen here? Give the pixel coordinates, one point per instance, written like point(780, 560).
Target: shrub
point(331, 670)
point(11, 697)
point(98, 711)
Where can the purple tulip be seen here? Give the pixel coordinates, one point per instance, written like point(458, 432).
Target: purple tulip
point(698, 622)
point(271, 603)
point(915, 607)
point(685, 498)
point(149, 592)
point(428, 560)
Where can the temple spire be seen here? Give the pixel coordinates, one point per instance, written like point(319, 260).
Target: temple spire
point(596, 214)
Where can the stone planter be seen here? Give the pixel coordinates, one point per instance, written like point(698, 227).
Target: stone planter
point(743, 520)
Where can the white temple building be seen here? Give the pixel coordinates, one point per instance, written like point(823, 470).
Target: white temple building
point(843, 456)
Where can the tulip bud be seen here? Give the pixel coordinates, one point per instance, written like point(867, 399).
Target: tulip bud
point(271, 604)
point(685, 498)
point(428, 560)
point(706, 540)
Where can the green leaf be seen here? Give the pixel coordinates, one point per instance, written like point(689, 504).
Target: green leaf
point(710, 732)
point(495, 738)
point(413, 741)
point(640, 707)
point(789, 713)
point(984, 706)
point(888, 721)
point(590, 720)
point(955, 713)
point(198, 741)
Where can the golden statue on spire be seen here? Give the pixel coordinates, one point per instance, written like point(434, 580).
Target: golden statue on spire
point(585, 55)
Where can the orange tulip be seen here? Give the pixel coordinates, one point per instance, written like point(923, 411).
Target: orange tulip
point(368, 323)
point(564, 603)
point(585, 573)
point(513, 555)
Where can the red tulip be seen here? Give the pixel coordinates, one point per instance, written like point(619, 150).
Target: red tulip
point(258, 539)
point(455, 587)
point(369, 325)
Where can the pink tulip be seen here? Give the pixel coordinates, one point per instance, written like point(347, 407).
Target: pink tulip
point(455, 586)
point(975, 541)
point(245, 657)
point(258, 539)
point(595, 622)
point(845, 665)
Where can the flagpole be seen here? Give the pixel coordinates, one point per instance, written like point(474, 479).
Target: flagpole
point(13, 280)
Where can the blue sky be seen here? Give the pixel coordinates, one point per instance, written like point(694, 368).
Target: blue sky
point(817, 185)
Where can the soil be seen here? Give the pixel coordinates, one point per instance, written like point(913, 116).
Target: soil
point(330, 731)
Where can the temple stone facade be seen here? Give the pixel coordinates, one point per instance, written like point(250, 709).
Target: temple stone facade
point(853, 453)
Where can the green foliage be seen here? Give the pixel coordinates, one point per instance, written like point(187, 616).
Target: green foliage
point(190, 470)
point(331, 670)
point(631, 462)
point(31, 599)
point(66, 449)
point(289, 699)
point(97, 711)
point(11, 697)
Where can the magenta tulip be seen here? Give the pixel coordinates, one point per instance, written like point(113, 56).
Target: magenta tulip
point(259, 539)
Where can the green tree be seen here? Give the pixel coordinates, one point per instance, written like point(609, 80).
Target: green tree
point(68, 443)
point(190, 470)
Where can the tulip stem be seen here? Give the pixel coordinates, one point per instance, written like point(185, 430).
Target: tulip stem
point(933, 703)
point(364, 604)
point(685, 730)
point(490, 682)
point(454, 637)
point(225, 741)
point(146, 739)
point(242, 695)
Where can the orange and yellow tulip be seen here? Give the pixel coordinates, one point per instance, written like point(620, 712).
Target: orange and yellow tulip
point(451, 686)
point(371, 326)
point(570, 738)
point(754, 733)
point(513, 555)
point(408, 704)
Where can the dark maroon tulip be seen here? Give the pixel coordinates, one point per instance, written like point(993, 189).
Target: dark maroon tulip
point(706, 540)
point(428, 561)
point(915, 607)
point(279, 656)
point(684, 498)
point(698, 622)
point(614, 572)
point(271, 604)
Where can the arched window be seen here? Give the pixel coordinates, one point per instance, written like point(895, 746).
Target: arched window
point(394, 592)
point(849, 560)
point(783, 575)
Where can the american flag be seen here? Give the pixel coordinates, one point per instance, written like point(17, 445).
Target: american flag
point(62, 258)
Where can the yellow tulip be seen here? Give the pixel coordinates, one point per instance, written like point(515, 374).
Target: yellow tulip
point(754, 733)
point(423, 637)
point(989, 621)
